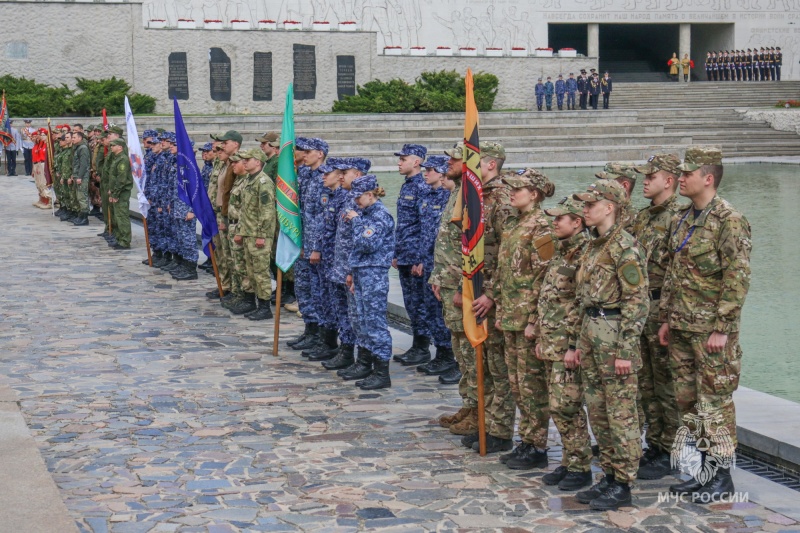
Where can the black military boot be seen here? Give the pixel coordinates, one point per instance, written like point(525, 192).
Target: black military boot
point(58, 212)
point(310, 329)
point(657, 467)
point(174, 264)
point(691, 485)
point(444, 361)
point(518, 450)
point(264, 311)
point(362, 367)
point(555, 477)
point(415, 346)
point(155, 255)
point(311, 340)
point(343, 359)
point(575, 480)
point(529, 459)
point(615, 496)
point(329, 347)
point(81, 220)
point(168, 260)
point(230, 299)
point(494, 445)
point(246, 304)
point(181, 267)
point(451, 377)
point(539, 107)
point(112, 241)
point(287, 295)
point(421, 356)
point(379, 379)
point(648, 455)
point(189, 271)
point(720, 486)
point(95, 212)
point(561, 108)
point(468, 440)
point(596, 490)
point(73, 216)
point(65, 214)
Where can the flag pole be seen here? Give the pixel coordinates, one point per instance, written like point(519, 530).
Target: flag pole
point(481, 400)
point(277, 332)
point(147, 243)
point(216, 272)
point(110, 232)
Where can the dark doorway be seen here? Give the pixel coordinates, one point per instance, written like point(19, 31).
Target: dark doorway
point(568, 36)
point(637, 52)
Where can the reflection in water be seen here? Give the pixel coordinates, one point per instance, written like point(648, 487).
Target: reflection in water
point(768, 195)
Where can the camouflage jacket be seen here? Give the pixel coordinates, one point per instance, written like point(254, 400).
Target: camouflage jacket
point(558, 309)
point(447, 251)
point(496, 211)
point(213, 182)
point(235, 201)
point(81, 161)
point(66, 155)
point(120, 180)
point(433, 203)
point(409, 245)
point(613, 275)
point(650, 229)
point(709, 270)
point(257, 212)
point(527, 246)
point(626, 216)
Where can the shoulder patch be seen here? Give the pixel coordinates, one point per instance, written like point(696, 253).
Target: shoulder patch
point(631, 273)
point(369, 232)
point(545, 247)
point(263, 180)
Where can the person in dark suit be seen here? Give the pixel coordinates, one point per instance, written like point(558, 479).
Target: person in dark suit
point(583, 88)
point(778, 62)
point(594, 90)
point(606, 87)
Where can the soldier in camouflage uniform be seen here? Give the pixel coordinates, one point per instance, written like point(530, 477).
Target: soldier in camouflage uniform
point(612, 294)
point(270, 144)
point(184, 225)
point(558, 314)
point(221, 251)
point(63, 164)
point(655, 380)
point(120, 183)
point(528, 244)
point(79, 180)
point(704, 290)
point(496, 211)
point(624, 174)
point(241, 285)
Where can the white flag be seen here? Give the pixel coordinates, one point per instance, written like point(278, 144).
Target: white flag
point(137, 159)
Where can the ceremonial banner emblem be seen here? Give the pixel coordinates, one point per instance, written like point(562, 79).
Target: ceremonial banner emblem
point(137, 159)
point(290, 238)
point(5, 124)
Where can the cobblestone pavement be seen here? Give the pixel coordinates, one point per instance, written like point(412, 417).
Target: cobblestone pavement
point(156, 410)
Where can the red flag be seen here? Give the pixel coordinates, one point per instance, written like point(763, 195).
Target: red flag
point(49, 170)
point(105, 128)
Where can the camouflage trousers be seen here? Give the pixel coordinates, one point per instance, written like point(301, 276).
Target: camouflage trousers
point(186, 238)
point(257, 261)
point(105, 204)
point(657, 392)
point(527, 379)
point(500, 412)
point(611, 399)
point(465, 354)
point(122, 220)
point(707, 380)
point(371, 298)
point(307, 290)
point(240, 283)
point(81, 194)
point(341, 312)
point(435, 314)
point(222, 252)
point(414, 300)
point(326, 300)
point(566, 409)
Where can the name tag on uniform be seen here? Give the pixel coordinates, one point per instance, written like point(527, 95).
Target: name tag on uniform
point(332, 209)
point(408, 197)
point(436, 206)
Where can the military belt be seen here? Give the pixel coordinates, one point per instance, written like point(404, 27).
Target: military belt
point(655, 294)
point(595, 312)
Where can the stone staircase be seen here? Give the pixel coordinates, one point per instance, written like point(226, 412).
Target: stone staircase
point(672, 95)
point(621, 133)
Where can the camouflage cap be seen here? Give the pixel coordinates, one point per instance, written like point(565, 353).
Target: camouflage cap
point(238, 156)
point(330, 165)
point(493, 149)
point(413, 149)
point(618, 169)
point(527, 177)
point(307, 144)
point(697, 156)
point(668, 162)
point(437, 162)
point(215, 136)
point(117, 142)
point(167, 136)
point(253, 153)
point(113, 128)
point(207, 147)
point(603, 189)
point(457, 151)
point(230, 135)
point(271, 137)
point(363, 184)
point(149, 133)
point(358, 163)
point(567, 206)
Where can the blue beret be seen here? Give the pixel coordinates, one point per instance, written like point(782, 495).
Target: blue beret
point(437, 163)
point(167, 136)
point(363, 184)
point(413, 149)
point(345, 163)
point(207, 147)
point(149, 133)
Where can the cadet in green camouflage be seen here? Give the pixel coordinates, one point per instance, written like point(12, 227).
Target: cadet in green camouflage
point(612, 294)
point(625, 174)
point(221, 248)
point(120, 183)
point(558, 315)
point(527, 245)
point(656, 388)
point(705, 287)
point(240, 282)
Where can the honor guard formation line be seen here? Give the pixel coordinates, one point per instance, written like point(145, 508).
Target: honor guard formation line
point(634, 315)
point(588, 88)
point(762, 64)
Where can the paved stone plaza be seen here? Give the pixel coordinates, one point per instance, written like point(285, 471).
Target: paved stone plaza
point(156, 410)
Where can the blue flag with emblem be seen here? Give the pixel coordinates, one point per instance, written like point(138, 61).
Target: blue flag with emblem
point(190, 182)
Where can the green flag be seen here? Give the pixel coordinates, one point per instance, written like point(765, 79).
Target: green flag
point(290, 239)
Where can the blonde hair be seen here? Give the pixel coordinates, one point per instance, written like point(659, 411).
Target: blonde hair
point(379, 192)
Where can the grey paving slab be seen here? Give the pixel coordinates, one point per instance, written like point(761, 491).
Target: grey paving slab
point(153, 409)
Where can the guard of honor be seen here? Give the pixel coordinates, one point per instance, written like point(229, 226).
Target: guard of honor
point(588, 87)
point(755, 64)
point(634, 314)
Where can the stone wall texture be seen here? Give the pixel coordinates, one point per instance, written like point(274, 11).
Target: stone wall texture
point(778, 119)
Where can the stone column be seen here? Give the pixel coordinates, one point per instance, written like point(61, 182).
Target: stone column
point(593, 40)
point(685, 43)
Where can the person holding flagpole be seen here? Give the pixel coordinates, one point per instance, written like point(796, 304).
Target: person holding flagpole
point(120, 183)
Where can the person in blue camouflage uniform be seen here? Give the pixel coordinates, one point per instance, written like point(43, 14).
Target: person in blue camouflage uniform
point(207, 151)
point(549, 90)
point(352, 168)
point(561, 89)
point(408, 253)
point(539, 91)
point(157, 213)
point(307, 276)
point(433, 204)
point(334, 317)
point(184, 225)
point(572, 88)
point(370, 259)
point(164, 194)
point(150, 140)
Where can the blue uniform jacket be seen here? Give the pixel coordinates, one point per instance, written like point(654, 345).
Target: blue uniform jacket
point(572, 85)
point(407, 249)
point(332, 202)
point(432, 206)
point(344, 242)
point(561, 87)
point(311, 209)
point(373, 238)
point(548, 88)
point(538, 90)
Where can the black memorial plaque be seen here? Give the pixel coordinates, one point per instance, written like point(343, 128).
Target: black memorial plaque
point(305, 72)
point(262, 76)
point(219, 67)
point(345, 76)
point(178, 80)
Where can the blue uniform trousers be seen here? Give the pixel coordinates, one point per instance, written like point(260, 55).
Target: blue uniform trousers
point(186, 238)
point(341, 313)
point(570, 99)
point(371, 298)
point(306, 288)
point(439, 332)
point(414, 300)
point(326, 307)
